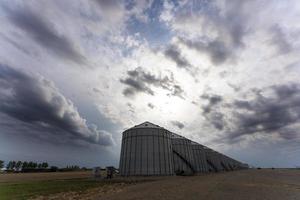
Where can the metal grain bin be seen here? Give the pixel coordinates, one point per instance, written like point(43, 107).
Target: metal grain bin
point(200, 158)
point(183, 158)
point(146, 150)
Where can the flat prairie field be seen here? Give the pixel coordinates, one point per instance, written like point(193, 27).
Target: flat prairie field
point(21, 177)
point(264, 184)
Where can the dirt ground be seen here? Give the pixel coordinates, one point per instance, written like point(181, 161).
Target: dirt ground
point(19, 177)
point(265, 184)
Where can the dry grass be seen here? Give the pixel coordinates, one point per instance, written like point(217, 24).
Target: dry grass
point(23, 177)
point(249, 184)
point(60, 185)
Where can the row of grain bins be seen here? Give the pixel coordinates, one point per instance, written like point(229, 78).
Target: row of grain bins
point(148, 149)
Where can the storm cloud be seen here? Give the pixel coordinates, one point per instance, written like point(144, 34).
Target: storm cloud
point(108, 3)
point(272, 111)
point(177, 91)
point(268, 113)
point(210, 110)
point(15, 44)
point(42, 31)
point(226, 25)
point(217, 49)
point(36, 101)
point(280, 40)
point(150, 105)
point(226, 69)
point(178, 124)
point(140, 81)
point(173, 53)
point(212, 100)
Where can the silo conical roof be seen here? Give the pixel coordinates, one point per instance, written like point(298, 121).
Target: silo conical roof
point(146, 124)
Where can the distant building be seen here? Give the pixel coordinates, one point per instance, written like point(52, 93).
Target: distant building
point(2, 169)
point(97, 172)
point(148, 149)
point(107, 172)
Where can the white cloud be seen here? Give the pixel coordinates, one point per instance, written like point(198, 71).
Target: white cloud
point(230, 46)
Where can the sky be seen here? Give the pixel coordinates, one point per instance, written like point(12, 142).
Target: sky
point(75, 74)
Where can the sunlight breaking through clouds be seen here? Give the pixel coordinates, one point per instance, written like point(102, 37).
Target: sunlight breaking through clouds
point(224, 73)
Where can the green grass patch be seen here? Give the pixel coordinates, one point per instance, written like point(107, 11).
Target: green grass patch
point(25, 190)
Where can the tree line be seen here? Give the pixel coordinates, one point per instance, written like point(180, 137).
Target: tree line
point(26, 165)
point(20, 166)
point(1, 164)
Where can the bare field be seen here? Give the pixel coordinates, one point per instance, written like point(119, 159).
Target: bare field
point(19, 177)
point(248, 184)
point(266, 184)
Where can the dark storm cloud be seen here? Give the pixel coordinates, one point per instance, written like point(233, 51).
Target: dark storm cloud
point(279, 38)
point(36, 101)
point(97, 91)
point(150, 105)
point(37, 132)
point(107, 3)
point(15, 44)
point(43, 32)
point(234, 87)
point(210, 111)
point(136, 85)
point(217, 120)
point(235, 20)
point(173, 53)
point(277, 113)
point(217, 50)
point(268, 114)
point(289, 133)
point(178, 124)
point(212, 101)
point(177, 91)
point(131, 107)
point(229, 24)
point(139, 81)
point(293, 66)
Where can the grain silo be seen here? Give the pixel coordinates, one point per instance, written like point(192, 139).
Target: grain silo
point(200, 158)
point(183, 157)
point(149, 150)
point(225, 162)
point(146, 150)
point(212, 160)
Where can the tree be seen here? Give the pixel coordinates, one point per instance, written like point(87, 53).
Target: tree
point(45, 165)
point(53, 169)
point(9, 165)
point(39, 166)
point(19, 165)
point(25, 165)
point(34, 165)
point(13, 165)
point(30, 165)
point(1, 164)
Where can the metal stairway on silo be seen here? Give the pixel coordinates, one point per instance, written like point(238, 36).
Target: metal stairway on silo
point(185, 161)
point(224, 166)
point(212, 165)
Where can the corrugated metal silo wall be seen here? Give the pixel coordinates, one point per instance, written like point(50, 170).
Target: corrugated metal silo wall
point(224, 160)
point(200, 158)
point(184, 148)
point(217, 158)
point(146, 151)
point(229, 163)
point(212, 160)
